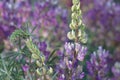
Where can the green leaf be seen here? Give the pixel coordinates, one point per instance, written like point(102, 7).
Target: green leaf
point(52, 53)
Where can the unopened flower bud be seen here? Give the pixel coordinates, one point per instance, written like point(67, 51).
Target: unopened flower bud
point(34, 56)
point(73, 15)
point(84, 40)
point(79, 13)
point(78, 6)
point(38, 72)
point(80, 22)
point(72, 26)
point(71, 35)
point(50, 71)
point(43, 59)
point(38, 63)
point(74, 22)
point(74, 8)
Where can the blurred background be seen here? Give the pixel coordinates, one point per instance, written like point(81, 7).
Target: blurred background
point(52, 17)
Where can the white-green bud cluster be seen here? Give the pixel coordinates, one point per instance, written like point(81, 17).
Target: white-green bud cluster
point(76, 25)
point(40, 59)
point(36, 54)
point(43, 71)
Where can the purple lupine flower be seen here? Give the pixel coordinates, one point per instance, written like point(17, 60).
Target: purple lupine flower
point(43, 48)
point(81, 53)
point(25, 68)
point(98, 65)
point(61, 77)
point(60, 53)
point(69, 47)
point(69, 61)
point(80, 50)
point(77, 73)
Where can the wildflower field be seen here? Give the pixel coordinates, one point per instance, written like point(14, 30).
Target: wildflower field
point(59, 39)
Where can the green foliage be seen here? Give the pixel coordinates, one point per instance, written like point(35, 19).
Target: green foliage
point(18, 34)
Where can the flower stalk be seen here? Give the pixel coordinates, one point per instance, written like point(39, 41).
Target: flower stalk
point(74, 52)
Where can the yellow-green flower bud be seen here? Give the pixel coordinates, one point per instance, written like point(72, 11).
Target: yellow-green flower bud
point(79, 13)
point(43, 59)
point(34, 56)
point(38, 63)
point(50, 71)
point(71, 35)
point(75, 16)
point(84, 40)
point(83, 37)
point(74, 22)
point(80, 22)
point(38, 72)
point(74, 8)
point(78, 6)
point(71, 26)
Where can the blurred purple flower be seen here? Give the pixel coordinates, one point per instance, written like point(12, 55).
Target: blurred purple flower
point(103, 19)
point(41, 13)
point(98, 65)
point(13, 15)
point(43, 48)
